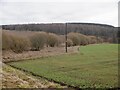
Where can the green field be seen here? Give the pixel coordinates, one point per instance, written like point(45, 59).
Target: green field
point(94, 66)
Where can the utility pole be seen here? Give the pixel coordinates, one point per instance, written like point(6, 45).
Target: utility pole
point(66, 37)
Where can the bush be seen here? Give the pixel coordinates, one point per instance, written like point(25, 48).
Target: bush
point(53, 40)
point(99, 40)
point(93, 39)
point(78, 39)
point(38, 41)
point(19, 44)
point(83, 39)
point(69, 42)
point(74, 37)
point(14, 43)
point(6, 41)
point(59, 40)
point(88, 40)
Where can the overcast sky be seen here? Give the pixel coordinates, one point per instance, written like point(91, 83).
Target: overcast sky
point(50, 11)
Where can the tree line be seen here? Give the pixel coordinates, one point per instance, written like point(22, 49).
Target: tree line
point(107, 32)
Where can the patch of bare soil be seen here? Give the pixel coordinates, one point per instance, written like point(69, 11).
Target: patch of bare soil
point(13, 78)
point(48, 51)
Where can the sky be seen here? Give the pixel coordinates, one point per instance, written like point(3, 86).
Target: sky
point(58, 11)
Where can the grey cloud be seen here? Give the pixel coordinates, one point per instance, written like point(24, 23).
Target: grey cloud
point(21, 12)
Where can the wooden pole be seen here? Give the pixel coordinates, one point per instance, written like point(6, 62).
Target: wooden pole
point(66, 37)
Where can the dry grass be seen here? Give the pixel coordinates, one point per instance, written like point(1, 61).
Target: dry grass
point(12, 78)
point(48, 51)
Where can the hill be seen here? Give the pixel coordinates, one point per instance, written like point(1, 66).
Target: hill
point(107, 32)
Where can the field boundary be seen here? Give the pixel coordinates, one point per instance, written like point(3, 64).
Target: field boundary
point(20, 60)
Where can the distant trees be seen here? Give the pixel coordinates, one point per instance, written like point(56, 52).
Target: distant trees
point(106, 32)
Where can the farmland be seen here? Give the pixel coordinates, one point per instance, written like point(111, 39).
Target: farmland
point(94, 66)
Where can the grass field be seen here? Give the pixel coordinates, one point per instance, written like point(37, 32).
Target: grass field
point(94, 66)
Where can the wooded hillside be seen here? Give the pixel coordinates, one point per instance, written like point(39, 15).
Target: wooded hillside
point(107, 32)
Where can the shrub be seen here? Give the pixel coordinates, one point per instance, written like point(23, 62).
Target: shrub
point(99, 40)
point(14, 43)
point(6, 41)
point(74, 37)
point(52, 40)
point(59, 40)
point(38, 41)
point(19, 44)
point(62, 37)
point(78, 39)
point(88, 40)
point(69, 42)
point(83, 39)
point(93, 39)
